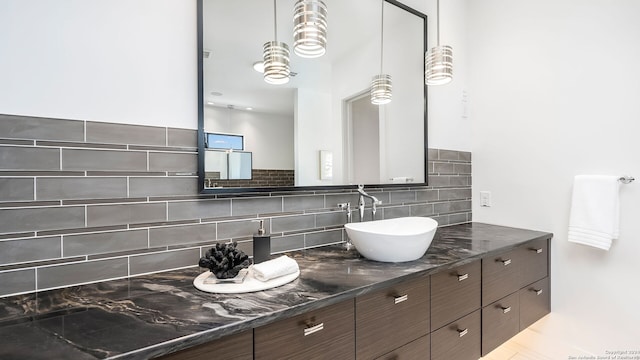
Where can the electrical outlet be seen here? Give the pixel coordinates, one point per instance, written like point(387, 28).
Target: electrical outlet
point(485, 198)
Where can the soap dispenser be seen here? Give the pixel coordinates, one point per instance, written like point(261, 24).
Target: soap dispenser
point(261, 244)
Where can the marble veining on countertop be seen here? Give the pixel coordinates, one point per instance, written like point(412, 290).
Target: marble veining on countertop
point(151, 315)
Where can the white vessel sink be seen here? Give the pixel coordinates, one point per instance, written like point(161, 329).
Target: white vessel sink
point(393, 240)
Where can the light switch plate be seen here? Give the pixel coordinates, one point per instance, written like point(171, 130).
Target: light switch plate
point(485, 198)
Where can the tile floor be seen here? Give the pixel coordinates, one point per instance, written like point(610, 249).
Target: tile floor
point(532, 345)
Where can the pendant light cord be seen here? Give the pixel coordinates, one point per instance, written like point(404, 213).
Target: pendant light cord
point(275, 21)
point(381, 35)
point(438, 22)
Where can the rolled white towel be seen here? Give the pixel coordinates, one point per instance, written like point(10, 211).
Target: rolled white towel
point(272, 269)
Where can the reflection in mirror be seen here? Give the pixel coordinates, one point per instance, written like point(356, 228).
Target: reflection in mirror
point(320, 129)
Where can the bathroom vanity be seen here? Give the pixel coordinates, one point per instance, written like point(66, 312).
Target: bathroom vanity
point(476, 286)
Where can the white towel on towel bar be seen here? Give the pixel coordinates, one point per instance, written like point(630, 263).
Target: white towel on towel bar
point(595, 210)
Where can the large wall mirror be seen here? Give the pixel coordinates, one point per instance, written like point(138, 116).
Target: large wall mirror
point(319, 130)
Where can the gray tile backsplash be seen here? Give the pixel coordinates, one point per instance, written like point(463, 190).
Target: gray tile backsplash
point(155, 262)
point(64, 188)
point(183, 138)
point(81, 272)
point(101, 132)
point(199, 209)
point(16, 189)
point(163, 186)
point(84, 201)
point(18, 281)
point(29, 158)
point(103, 160)
point(25, 127)
point(41, 218)
point(173, 162)
point(31, 249)
point(186, 234)
point(323, 238)
point(105, 242)
point(101, 215)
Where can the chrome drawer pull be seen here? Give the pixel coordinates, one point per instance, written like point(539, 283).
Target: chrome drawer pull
point(506, 309)
point(538, 251)
point(537, 291)
point(506, 262)
point(399, 299)
point(463, 277)
point(462, 332)
point(313, 329)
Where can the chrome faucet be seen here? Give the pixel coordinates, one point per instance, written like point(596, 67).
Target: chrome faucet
point(347, 208)
point(374, 202)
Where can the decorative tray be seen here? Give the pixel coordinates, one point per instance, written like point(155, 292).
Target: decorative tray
point(206, 282)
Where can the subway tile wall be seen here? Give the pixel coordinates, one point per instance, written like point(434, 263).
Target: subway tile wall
point(84, 201)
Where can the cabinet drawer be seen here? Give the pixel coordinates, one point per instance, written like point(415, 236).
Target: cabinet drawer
point(455, 293)
point(233, 347)
point(534, 261)
point(459, 340)
point(390, 318)
point(417, 349)
point(535, 302)
point(500, 322)
point(500, 276)
point(319, 334)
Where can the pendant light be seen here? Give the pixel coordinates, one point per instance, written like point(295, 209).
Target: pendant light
point(310, 28)
point(439, 60)
point(381, 84)
point(276, 57)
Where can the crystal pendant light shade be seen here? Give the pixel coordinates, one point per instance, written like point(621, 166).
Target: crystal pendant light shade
point(276, 62)
point(439, 65)
point(381, 89)
point(310, 28)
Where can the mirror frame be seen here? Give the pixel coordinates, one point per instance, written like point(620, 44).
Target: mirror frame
point(201, 134)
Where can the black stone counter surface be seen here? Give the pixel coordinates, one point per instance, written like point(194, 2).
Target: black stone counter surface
point(147, 316)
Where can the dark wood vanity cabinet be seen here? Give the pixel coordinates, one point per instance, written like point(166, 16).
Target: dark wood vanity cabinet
point(455, 312)
point(390, 318)
point(515, 292)
point(500, 276)
point(417, 349)
point(500, 321)
point(458, 313)
point(534, 261)
point(535, 302)
point(455, 293)
point(233, 347)
point(326, 333)
point(458, 340)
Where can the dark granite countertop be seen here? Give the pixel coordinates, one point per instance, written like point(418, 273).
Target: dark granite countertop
point(146, 316)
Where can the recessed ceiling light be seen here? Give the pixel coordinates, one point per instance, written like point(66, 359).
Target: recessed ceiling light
point(249, 108)
point(258, 66)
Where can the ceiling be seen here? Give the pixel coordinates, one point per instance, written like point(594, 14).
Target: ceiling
point(235, 31)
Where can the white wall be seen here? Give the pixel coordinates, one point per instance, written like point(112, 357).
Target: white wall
point(314, 130)
point(119, 61)
point(268, 136)
point(556, 87)
point(448, 128)
point(133, 61)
